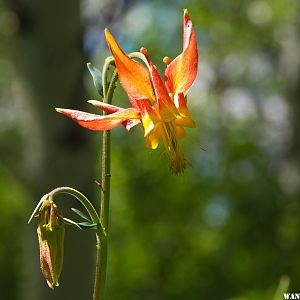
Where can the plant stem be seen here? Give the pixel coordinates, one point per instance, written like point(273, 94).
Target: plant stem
point(101, 259)
point(79, 196)
point(84, 200)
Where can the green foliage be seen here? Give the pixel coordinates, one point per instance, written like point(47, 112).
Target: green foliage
point(12, 206)
point(97, 78)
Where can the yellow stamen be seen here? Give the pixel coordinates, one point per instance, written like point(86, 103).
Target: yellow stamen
point(166, 60)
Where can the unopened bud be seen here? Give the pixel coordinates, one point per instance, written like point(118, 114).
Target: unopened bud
point(51, 234)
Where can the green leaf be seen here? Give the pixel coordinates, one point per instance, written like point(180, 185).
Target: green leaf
point(82, 225)
point(97, 78)
point(88, 225)
point(80, 214)
point(71, 222)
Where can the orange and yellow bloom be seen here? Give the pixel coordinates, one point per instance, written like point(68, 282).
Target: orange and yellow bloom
point(160, 106)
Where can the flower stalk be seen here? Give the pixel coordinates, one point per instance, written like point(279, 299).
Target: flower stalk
point(101, 256)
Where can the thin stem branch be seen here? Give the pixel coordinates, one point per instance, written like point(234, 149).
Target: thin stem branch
point(84, 200)
point(79, 196)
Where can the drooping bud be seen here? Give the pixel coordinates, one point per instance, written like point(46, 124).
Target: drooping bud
point(51, 234)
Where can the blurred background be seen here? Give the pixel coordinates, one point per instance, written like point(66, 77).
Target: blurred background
point(229, 228)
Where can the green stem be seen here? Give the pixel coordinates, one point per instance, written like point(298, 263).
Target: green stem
point(84, 200)
point(101, 259)
point(79, 196)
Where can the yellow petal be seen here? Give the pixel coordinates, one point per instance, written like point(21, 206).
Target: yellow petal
point(153, 139)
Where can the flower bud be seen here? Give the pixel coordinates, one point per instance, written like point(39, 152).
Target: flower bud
point(51, 234)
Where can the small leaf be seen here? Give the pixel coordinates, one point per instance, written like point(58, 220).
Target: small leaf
point(97, 78)
point(71, 222)
point(80, 214)
point(88, 225)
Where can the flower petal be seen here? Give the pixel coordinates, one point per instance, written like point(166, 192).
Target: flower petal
point(180, 132)
point(186, 122)
point(185, 117)
point(182, 71)
point(108, 108)
point(153, 138)
point(96, 122)
point(131, 123)
point(167, 109)
point(134, 77)
point(148, 115)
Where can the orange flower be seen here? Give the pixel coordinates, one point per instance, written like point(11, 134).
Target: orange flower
point(159, 106)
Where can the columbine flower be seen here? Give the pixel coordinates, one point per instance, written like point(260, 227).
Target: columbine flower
point(159, 106)
point(51, 233)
